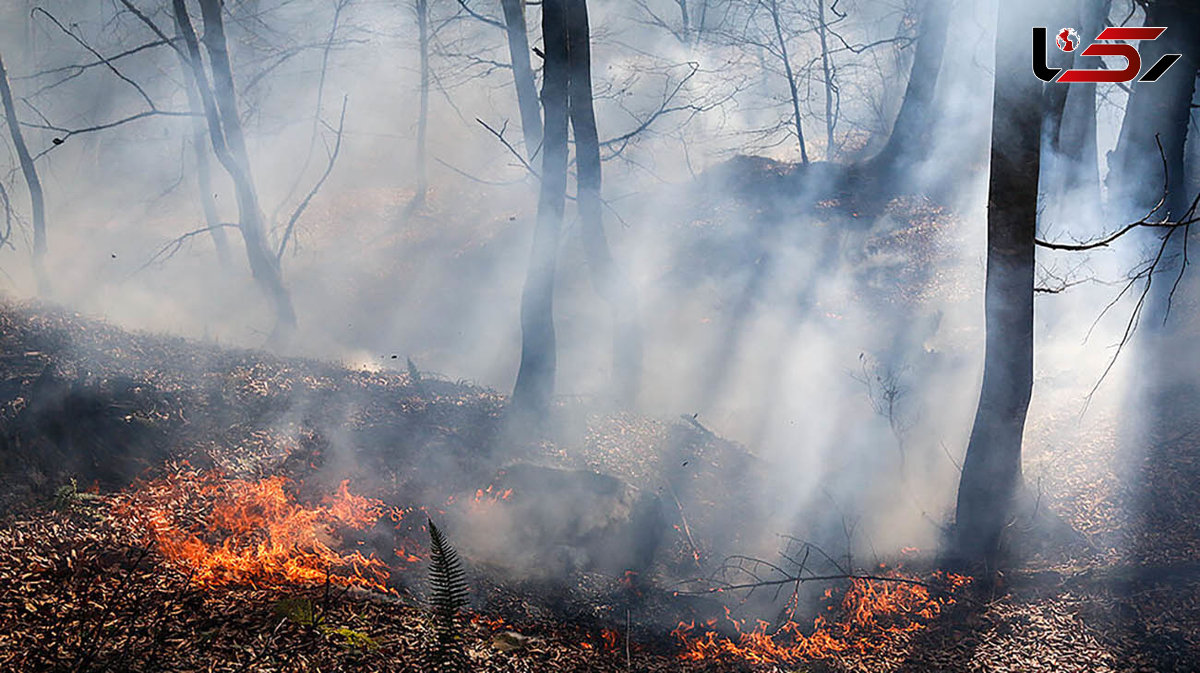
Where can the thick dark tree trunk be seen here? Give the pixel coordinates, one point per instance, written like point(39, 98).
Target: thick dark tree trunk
point(518, 52)
point(991, 474)
point(909, 141)
point(1156, 113)
point(225, 132)
point(37, 200)
point(612, 285)
point(208, 202)
point(422, 8)
point(535, 378)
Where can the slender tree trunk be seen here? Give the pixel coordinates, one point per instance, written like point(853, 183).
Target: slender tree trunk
point(422, 8)
point(787, 70)
point(37, 200)
point(826, 69)
point(518, 52)
point(225, 132)
point(909, 141)
point(612, 285)
point(1077, 135)
point(1054, 98)
point(991, 474)
point(535, 378)
point(208, 203)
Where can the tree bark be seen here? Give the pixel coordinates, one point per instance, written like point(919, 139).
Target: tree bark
point(991, 474)
point(518, 52)
point(225, 132)
point(208, 204)
point(909, 141)
point(37, 200)
point(609, 281)
point(535, 378)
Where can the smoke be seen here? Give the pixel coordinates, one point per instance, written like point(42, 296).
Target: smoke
point(842, 349)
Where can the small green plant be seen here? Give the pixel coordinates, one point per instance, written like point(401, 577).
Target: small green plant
point(68, 497)
point(302, 611)
point(448, 597)
point(353, 639)
point(305, 612)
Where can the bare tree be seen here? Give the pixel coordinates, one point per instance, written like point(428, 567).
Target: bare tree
point(518, 51)
point(830, 87)
point(773, 7)
point(225, 133)
point(36, 198)
point(200, 151)
point(910, 137)
point(535, 377)
point(1157, 115)
point(422, 11)
point(1076, 139)
point(607, 278)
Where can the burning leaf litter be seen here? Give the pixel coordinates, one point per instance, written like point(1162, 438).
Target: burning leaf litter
point(870, 616)
point(227, 531)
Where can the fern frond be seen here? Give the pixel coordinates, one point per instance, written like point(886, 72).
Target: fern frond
point(447, 598)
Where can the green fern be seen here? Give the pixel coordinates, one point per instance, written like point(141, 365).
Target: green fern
point(448, 597)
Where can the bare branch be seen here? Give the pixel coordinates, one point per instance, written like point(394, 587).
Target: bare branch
point(337, 146)
point(95, 53)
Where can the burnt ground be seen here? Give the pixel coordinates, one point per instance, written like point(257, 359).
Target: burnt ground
point(81, 593)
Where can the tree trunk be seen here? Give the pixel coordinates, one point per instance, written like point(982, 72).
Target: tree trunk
point(225, 131)
point(991, 473)
point(791, 78)
point(518, 52)
point(827, 71)
point(910, 139)
point(37, 200)
point(1158, 112)
point(535, 378)
point(610, 283)
point(1077, 135)
point(422, 8)
point(208, 203)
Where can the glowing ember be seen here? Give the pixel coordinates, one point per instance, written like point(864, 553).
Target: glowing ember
point(226, 531)
point(870, 613)
point(492, 494)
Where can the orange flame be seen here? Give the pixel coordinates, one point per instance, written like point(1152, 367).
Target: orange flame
point(228, 531)
point(871, 612)
point(492, 494)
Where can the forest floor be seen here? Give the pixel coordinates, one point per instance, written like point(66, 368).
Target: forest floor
point(94, 418)
point(171, 505)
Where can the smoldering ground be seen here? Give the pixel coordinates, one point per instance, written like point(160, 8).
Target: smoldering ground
point(841, 348)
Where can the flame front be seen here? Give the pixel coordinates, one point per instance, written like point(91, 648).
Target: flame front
point(870, 614)
point(226, 531)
